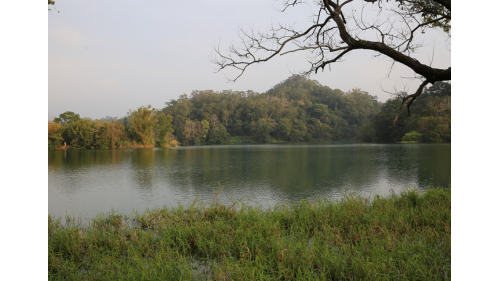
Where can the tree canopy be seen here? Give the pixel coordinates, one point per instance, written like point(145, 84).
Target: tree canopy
point(296, 110)
point(337, 29)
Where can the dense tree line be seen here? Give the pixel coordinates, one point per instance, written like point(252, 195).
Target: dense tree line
point(144, 127)
point(430, 120)
point(296, 110)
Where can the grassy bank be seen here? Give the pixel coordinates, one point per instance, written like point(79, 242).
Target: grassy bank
point(406, 237)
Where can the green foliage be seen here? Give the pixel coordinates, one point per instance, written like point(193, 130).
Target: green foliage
point(163, 129)
point(262, 129)
point(67, 117)
point(402, 237)
point(142, 128)
point(295, 110)
point(179, 110)
point(141, 125)
point(432, 12)
point(284, 129)
point(205, 126)
point(194, 132)
point(55, 135)
point(431, 117)
point(112, 134)
point(218, 135)
point(319, 131)
point(147, 127)
point(412, 136)
point(82, 133)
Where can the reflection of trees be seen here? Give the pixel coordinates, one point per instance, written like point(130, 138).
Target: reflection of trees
point(285, 172)
point(434, 164)
point(199, 170)
point(76, 159)
point(308, 171)
point(427, 164)
point(276, 173)
point(77, 169)
point(288, 172)
point(56, 159)
point(300, 172)
point(143, 167)
point(400, 162)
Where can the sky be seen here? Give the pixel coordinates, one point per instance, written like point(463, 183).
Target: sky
point(107, 57)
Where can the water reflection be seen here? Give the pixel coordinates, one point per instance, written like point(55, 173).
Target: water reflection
point(142, 168)
point(126, 180)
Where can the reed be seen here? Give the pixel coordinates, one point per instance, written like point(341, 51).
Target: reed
point(400, 237)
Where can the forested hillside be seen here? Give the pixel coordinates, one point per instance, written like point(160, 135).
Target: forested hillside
point(430, 120)
point(295, 110)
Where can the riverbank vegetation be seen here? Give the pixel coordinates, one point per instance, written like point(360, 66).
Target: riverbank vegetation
point(295, 110)
point(401, 237)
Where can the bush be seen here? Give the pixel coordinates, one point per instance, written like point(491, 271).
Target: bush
point(412, 136)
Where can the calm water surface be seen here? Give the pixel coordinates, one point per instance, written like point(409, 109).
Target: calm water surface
point(87, 182)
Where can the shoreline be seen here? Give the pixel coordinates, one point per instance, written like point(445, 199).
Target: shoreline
point(406, 236)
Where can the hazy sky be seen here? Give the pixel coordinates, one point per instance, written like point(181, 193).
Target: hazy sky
point(107, 57)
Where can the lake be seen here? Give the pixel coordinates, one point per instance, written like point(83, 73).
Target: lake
point(85, 183)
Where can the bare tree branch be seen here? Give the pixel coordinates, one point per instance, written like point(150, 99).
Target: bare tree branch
point(336, 31)
point(408, 100)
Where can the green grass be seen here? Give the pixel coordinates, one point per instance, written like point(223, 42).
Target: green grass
point(405, 237)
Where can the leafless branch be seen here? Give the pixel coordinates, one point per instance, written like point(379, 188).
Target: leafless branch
point(408, 100)
point(335, 31)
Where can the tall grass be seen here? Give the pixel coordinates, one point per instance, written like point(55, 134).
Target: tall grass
point(402, 237)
